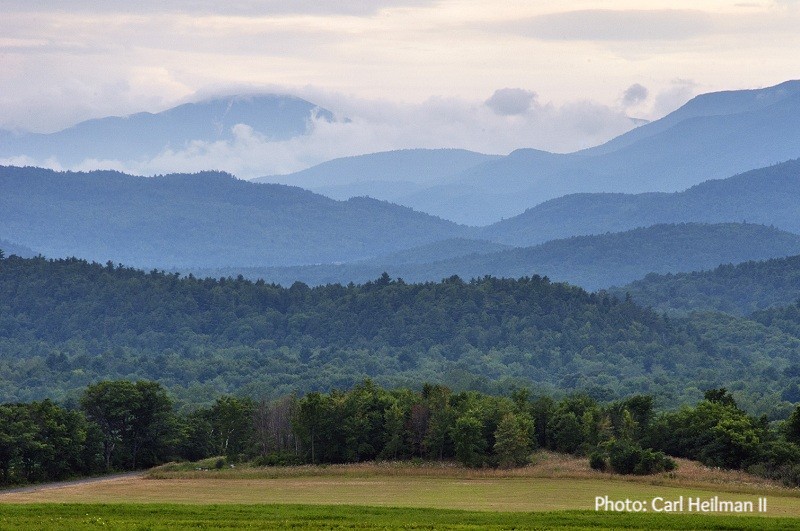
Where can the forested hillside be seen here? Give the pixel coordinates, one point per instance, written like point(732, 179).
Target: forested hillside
point(67, 323)
point(200, 220)
point(592, 262)
point(766, 196)
point(738, 289)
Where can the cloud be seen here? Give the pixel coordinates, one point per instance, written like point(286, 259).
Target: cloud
point(615, 25)
point(233, 7)
point(681, 91)
point(379, 125)
point(634, 95)
point(511, 101)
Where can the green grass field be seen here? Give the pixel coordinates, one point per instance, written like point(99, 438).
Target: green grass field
point(163, 516)
point(556, 492)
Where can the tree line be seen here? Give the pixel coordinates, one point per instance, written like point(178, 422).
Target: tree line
point(123, 425)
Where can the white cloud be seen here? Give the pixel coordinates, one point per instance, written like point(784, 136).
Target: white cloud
point(376, 125)
point(681, 91)
point(233, 7)
point(616, 25)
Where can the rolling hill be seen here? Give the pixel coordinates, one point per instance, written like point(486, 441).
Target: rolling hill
point(78, 323)
point(386, 175)
point(739, 289)
point(767, 196)
point(592, 262)
point(202, 220)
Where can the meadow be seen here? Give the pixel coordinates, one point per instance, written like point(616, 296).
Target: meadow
point(556, 491)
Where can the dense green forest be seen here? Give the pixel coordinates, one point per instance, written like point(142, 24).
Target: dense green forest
point(124, 425)
point(592, 262)
point(737, 289)
point(65, 324)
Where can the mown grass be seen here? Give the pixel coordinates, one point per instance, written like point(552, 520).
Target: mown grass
point(556, 492)
point(545, 465)
point(163, 516)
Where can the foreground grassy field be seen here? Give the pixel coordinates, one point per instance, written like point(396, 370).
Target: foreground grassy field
point(161, 516)
point(557, 491)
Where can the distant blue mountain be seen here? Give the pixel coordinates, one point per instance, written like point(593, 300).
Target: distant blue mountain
point(386, 175)
point(768, 196)
point(713, 136)
point(592, 262)
point(140, 135)
point(208, 219)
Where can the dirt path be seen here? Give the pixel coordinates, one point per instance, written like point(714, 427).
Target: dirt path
point(70, 483)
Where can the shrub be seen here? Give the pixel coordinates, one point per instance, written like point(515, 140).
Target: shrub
point(626, 457)
point(598, 461)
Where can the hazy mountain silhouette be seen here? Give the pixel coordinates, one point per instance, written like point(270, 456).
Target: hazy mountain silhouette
point(386, 175)
point(768, 196)
point(140, 135)
point(592, 262)
point(209, 219)
point(712, 136)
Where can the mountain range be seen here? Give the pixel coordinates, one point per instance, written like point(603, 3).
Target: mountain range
point(215, 222)
point(712, 136)
point(767, 196)
point(592, 262)
point(144, 134)
point(387, 175)
point(209, 219)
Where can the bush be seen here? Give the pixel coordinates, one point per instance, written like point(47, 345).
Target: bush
point(598, 461)
point(626, 457)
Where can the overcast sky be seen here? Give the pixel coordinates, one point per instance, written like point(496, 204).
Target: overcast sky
point(485, 75)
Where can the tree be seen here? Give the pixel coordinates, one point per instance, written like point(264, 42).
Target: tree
point(232, 426)
point(136, 416)
point(470, 444)
point(792, 426)
point(308, 420)
point(513, 443)
point(273, 426)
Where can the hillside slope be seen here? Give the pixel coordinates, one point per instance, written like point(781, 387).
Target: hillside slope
point(386, 175)
point(711, 137)
point(78, 323)
point(592, 262)
point(738, 289)
point(203, 220)
point(767, 196)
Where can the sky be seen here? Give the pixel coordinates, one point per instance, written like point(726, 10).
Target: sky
point(487, 76)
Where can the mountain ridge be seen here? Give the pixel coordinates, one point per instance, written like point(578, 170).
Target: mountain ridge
point(191, 219)
point(145, 134)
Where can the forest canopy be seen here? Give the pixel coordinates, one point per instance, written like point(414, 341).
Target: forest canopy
point(65, 324)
